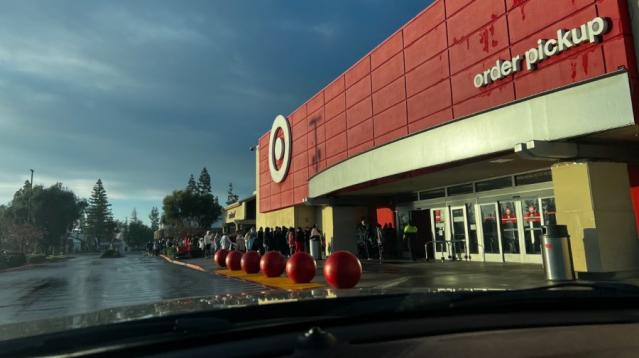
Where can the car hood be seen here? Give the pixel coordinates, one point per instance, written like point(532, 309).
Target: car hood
point(194, 304)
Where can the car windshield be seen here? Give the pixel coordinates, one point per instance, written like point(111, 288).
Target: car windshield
point(162, 157)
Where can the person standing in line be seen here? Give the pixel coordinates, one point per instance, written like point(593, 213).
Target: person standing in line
point(282, 243)
point(379, 237)
point(259, 240)
point(299, 240)
point(362, 239)
point(207, 244)
point(268, 239)
point(225, 242)
point(276, 239)
point(249, 238)
point(200, 244)
point(217, 242)
point(240, 244)
point(410, 235)
point(290, 240)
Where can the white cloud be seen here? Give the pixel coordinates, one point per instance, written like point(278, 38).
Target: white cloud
point(327, 30)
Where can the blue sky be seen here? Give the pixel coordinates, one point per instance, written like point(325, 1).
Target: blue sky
point(144, 93)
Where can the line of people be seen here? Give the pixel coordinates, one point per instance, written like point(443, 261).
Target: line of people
point(285, 240)
point(376, 241)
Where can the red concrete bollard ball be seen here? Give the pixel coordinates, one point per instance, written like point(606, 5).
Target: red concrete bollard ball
point(220, 257)
point(272, 264)
point(233, 260)
point(300, 267)
point(251, 262)
point(342, 269)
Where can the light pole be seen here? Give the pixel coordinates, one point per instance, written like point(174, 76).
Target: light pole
point(29, 201)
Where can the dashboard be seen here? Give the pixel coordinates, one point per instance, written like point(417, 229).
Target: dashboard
point(531, 334)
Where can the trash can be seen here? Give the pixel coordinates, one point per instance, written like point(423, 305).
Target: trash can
point(316, 249)
point(556, 253)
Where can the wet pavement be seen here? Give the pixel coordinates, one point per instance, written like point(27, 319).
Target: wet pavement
point(434, 274)
point(87, 283)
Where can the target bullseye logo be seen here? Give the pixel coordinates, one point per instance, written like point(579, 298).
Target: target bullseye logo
point(279, 149)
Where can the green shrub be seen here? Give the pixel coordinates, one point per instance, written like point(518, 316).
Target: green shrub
point(110, 254)
point(15, 259)
point(36, 259)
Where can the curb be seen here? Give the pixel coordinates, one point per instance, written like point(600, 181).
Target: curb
point(20, 268)
point(224, 273)
point(202, 269)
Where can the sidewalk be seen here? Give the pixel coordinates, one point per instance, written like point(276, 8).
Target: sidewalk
point(408, 274)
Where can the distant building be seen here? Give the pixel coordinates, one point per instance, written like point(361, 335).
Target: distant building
point(240, 215)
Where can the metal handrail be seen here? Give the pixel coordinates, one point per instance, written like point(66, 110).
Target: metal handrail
point(449, 247)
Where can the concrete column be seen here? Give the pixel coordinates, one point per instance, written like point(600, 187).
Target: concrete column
point(339, 223)
point(593, 200)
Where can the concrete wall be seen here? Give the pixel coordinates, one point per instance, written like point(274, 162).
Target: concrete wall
point(593, 200)
point(282, 217)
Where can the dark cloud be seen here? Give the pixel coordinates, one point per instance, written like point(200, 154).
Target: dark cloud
point(144, 93)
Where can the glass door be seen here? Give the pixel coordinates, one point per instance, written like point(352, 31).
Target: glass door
point(532, 229)
point(474, 252)
point(438, 223)
point(548, 211)
point(490, 232)
point(510, 218)
point(459, 232)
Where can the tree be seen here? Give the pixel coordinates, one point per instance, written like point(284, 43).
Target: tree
point(40, 219)
point(100, 224)
point(189, 210)
point(191, 186)
point(138, 234)
point(204, 182)
point(154, 217)
point(55, 210)
point(23, 238)
point(134, 215)
point(232, 197)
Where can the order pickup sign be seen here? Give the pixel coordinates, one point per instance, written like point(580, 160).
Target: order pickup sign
point(566, 39)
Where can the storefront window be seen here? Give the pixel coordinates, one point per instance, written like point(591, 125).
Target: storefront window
point(492, 184)
point(432, 194)
point(548, 206)
point(509, 232)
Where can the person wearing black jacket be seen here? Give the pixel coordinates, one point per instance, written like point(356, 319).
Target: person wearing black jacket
point(268, 240)
point(258, 245)
point(299, 240)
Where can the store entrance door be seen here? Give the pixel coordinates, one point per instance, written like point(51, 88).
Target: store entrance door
point(510, 219)
point(439, 229)
point(521, 223)
point(459, 232)
point(490, 225)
